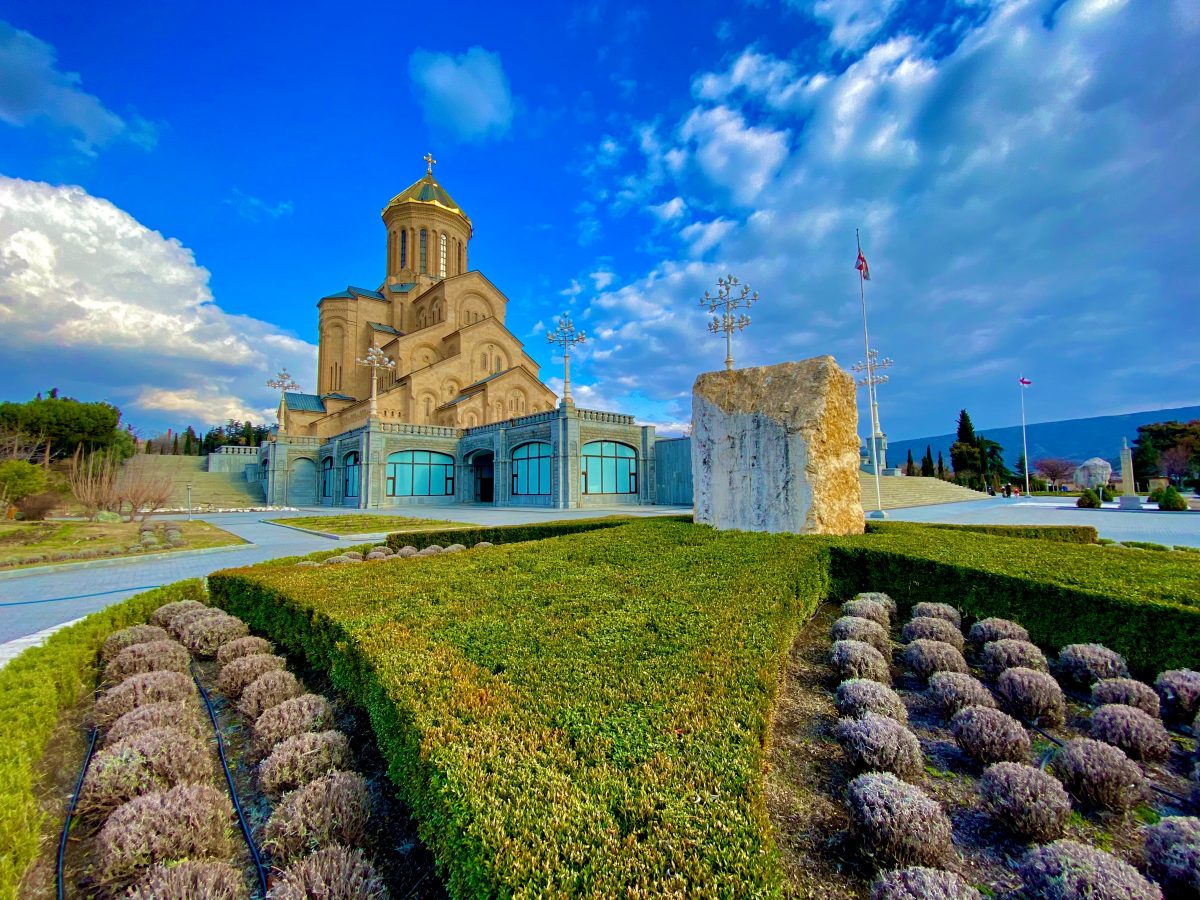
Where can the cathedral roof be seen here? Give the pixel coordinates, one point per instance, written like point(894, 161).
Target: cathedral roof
point(427, 191)
point(304, 402)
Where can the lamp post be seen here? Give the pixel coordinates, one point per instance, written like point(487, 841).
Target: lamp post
point(727, 301)
point(189, 489)
point(871, 380)
point(565, 336)
point(283, 382)
point(376, 360)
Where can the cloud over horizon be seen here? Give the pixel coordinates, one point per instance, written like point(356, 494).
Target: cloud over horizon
point(467, 94)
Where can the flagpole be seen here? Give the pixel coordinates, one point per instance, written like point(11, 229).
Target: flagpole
point(1024, 440)
point(862, 293)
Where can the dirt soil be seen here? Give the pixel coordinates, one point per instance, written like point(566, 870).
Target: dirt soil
point(807, 778)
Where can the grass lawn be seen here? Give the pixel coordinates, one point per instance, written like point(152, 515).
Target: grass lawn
point(39, 543)
point(366, 524)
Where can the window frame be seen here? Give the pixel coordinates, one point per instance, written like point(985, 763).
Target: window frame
point(532, 471)
point(352, 474)
point(327, 477)
point(610, 466)
point(406, 467)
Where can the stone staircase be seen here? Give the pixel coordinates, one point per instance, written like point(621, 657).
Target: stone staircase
point(210, 490)
point(902, 491)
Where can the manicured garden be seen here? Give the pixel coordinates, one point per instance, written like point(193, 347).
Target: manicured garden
point(57, 541)
point(353, 523)
point(595, 706)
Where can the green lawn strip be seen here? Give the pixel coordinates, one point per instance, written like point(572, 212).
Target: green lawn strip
point(1145, 606)
point(364, 524)
point(582, 715)
point(42, 543)
point(509, 534)
point(35, 688)
point(1067, 534)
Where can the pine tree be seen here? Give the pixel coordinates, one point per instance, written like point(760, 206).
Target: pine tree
point(175, 446)
point(149, 446)
point(188, 443)
point(941, 466)
point(910, 467)
point(966, 430)
point(927, 463)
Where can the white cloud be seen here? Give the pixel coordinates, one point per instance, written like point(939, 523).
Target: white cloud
point(573, 291)
point(703, 236)
point(853, 22)
point(33, 89)
point(602, 278)
point(128, 311)
point(467, 94)
point(670, 210)
point(738, 157)
point(255, 208)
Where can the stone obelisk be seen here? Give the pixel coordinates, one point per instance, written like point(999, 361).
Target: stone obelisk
point(1129, 498)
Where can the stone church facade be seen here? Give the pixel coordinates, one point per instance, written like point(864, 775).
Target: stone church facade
point(463, 416)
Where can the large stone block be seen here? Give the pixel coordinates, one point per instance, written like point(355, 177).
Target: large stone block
point(775, 448)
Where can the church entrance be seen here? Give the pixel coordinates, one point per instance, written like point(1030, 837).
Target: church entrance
point(483, 469)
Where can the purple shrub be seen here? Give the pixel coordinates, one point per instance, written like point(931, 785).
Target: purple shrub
point(1099, 775)
point(867, 609)
point(952, 691)
point(1126, 691)
point(190, 821)
point(854, 628)
point(987, 630)
point(938, 611)
point(190, 880)
point(881, 598)
point(251, 645)
point(858, 696)
point(1173, 855)
point(182, 715)
point(308, 712)
point(140, 690)
point(1032, 696)
point(920, 883)
point(152, 760)
point(269, 689)
point(182, 619)
point(925, 657)
point(1066, 870)
point(896, 823)
point(854, 659)
point(1079, 665)
point(989, 736)
point(1025, 800)
point(302, 759)
point(880, 744)
point(153, 656)
point(163, 616)
point(1179, 690)
point(205, 636)
point(335, 873)
point(245, 670)
point(929, 628)
point(1008, 654)
point(1127, 727)
point(128, 637)
point(330, 810)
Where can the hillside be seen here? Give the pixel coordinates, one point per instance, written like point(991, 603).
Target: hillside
point(1076, 439)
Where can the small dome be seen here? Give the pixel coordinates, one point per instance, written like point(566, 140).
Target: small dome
point(427, 191)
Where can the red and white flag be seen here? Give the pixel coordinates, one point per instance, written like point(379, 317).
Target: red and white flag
point(861, 265)
point(1025, 382)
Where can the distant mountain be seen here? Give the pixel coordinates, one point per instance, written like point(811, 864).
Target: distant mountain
point(1076, 439)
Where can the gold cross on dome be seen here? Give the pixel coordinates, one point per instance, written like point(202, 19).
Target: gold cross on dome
point(428, 157)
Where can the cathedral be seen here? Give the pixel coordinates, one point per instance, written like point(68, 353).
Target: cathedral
point(454, 410)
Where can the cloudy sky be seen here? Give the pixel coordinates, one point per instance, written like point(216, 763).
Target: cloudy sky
point(180, 183)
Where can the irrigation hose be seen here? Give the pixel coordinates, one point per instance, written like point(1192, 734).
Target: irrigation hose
point(62, 840)
point(237, 805)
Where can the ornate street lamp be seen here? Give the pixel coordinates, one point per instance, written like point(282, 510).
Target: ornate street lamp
point(727, 301)
point(565, 336)
point(376, 360)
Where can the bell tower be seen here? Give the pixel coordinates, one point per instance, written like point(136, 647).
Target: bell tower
point(427, 233)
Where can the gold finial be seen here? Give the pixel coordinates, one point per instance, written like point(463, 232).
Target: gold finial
point(428, 157)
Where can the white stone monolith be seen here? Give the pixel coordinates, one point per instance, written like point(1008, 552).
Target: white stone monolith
point(775, 448)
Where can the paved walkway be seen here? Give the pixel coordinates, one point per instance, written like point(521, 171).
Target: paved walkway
point(40, 601)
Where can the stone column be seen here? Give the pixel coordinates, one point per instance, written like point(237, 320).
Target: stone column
point(1129, 498)
point(775, 448)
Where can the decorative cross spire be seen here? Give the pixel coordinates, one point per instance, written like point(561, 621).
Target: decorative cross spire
point(428, 157)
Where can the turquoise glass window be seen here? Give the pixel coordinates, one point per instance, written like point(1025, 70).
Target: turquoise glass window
point(419, 473)
point(609, 468)
point(531, 469)
point(351, 474)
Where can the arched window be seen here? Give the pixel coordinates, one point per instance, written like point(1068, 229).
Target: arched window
point(460, 266)
point(609, 468)
point(429, 408)
point(420, 473)
point(351, 478)
point(442, 256)
point(327, 477)
point(404, 249)
point(424, 248)
point(531, 469)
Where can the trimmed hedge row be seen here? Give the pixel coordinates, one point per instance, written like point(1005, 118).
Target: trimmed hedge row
point(35, 688)
point(507, 534)
point(587, 718)
point(1147, 608)
point(1066, 534)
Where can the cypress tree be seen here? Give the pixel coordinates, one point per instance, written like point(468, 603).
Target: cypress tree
point(927, 463)
point(175, 445)
point(941, 466)
point(966, 430)
point(910, 467)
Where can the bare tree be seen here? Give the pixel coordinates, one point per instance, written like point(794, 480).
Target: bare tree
point(144, 488)
point(93, 481)
point(1176, 463)
point(17, 444)
point(1054, 469)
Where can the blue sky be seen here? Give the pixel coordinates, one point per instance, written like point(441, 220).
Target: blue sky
point(181, 182)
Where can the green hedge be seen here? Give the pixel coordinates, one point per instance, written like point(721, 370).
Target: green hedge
point(1146, 607)
point(1067, 534)
point(584, 717)
point(506, 534)
point(35, 688)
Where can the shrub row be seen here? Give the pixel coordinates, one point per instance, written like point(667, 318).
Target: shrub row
point(1064, 534)
point(35, 688)
point(505, 534)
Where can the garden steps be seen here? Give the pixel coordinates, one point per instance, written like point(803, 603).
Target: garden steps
point(221, 490)
point(905, 491)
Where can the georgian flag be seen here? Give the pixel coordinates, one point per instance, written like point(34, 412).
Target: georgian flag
point(1025, 382)
point(861, 265)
